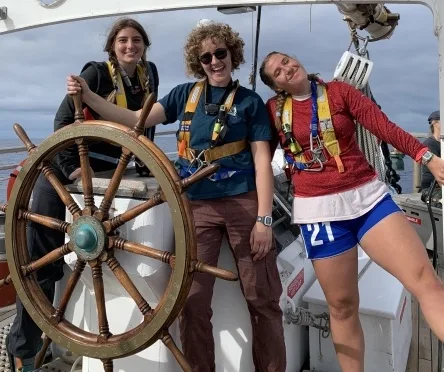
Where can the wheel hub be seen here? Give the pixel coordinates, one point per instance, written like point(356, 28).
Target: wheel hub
point(87, 237)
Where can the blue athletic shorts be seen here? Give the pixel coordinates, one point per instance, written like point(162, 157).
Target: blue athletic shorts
point(329, 239)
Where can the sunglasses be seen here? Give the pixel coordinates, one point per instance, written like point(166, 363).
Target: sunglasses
point(220, 54)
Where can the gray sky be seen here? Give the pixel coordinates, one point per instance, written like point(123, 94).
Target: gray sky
point(404, 80)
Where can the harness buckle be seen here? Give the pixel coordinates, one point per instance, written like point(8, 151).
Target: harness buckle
point(198, 161)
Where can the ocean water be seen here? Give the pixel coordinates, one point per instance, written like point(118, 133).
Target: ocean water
point(168, 144)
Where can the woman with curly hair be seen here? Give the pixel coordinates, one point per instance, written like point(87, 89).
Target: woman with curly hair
point(224, 123)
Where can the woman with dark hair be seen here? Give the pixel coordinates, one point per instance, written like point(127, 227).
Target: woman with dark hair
point(339, 201)
point(225, 123)
point(125, 79)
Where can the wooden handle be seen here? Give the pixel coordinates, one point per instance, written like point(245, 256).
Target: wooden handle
point(18, 129)
point(146, 109)
point(40, 358)
point(78, 115)
point(199, 175)
point(215, 271)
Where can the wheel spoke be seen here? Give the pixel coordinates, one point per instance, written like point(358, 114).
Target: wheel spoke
point(50, 258)
point(30, 147)
point(6, 281)
point(72, 282)
point(88, 195)
point(110, 192)
point(128, 284)
point(40, 357)
point(99, 290)
point(132, 213)
point(199, 175)
point(108, 365)
point(52, 223)
point(169, 258)
point(168, 341)
point(146, 109)
point(200, 267)
point(143, 250)
point(67, 199)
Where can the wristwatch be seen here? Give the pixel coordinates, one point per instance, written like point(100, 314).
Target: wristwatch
point(266, 220)
point(427, 157)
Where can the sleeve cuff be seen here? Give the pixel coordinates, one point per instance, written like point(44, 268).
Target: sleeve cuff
point(420, 153)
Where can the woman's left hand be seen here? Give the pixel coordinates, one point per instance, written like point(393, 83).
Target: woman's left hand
point(261, 240)
point(436, 166)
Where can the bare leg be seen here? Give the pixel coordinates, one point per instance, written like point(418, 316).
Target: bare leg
point(338, 277)
point(395, 246)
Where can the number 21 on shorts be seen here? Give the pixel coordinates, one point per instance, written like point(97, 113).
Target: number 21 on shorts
point(320, 232)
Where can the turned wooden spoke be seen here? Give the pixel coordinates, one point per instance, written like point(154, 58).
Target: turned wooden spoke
point(52, 223)
point(128, 284)
point(50, 258)
point(170, 344)
point(30, 147)
point(72, 282)
point(110, 192)
point(6, 281)
point(40, 357)
point(169, 258)
point(143, 250)
point(108, 365)
point(67, 199)
point(99, 290)
point(146, 109)
point(78, 114)
point(88, 195)
point(199, 175)
point(201, 267)
point(132, 213)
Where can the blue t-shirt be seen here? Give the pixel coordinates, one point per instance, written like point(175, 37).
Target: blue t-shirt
point(247, 119)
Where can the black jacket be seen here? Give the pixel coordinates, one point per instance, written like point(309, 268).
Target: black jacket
point(99, 81)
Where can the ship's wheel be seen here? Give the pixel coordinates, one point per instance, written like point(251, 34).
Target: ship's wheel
point(92, 237)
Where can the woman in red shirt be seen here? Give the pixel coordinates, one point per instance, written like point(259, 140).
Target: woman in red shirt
point(339, 201)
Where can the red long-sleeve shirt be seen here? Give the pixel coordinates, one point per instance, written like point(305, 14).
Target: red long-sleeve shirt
point(346, 103)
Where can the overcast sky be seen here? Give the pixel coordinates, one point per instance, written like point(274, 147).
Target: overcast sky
point(35, 63)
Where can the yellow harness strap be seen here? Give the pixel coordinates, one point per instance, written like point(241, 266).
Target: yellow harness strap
point(328, 135)
point(120, 92)
point(215, 153)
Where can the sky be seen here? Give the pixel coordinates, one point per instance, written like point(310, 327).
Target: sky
point(404, 80)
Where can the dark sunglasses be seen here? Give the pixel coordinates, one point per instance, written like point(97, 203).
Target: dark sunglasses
point(220, 54)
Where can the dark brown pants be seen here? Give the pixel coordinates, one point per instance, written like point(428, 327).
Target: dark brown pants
point(260, 283)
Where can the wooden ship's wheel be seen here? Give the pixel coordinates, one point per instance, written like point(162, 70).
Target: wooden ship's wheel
point(92, 237)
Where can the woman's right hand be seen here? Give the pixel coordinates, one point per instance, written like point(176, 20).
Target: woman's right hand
point(75, 84)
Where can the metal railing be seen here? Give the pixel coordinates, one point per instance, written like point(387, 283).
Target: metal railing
point(19, 149)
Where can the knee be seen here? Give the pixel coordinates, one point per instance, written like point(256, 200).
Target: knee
point(426, 280)
point(343, 308)
point(197, 305)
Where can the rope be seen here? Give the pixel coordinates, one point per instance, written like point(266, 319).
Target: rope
point(303, 317)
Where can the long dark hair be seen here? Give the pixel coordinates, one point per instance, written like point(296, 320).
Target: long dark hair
point(118, 26)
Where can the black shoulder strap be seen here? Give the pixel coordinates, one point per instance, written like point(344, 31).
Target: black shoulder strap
point(99, 74)
point(154, 77)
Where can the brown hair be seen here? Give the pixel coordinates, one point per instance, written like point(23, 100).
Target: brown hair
point(214, 31)
point(118, 26)
point(281, 96)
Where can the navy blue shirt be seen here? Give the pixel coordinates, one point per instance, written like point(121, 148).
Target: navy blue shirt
point(247, 119)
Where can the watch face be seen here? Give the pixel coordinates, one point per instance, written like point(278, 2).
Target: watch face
point(268, 220)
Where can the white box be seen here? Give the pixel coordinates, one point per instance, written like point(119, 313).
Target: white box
point(385, 314)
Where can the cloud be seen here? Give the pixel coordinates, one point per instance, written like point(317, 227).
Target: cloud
point(404, 81)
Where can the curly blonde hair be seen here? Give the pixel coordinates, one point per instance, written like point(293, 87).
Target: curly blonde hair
point(215, 31)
